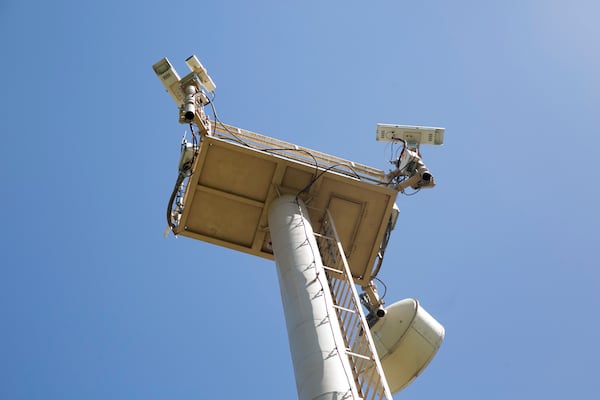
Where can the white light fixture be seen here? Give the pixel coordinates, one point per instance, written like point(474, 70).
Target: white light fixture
point(414, 135)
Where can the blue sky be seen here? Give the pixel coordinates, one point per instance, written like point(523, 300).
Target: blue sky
point(96, 304)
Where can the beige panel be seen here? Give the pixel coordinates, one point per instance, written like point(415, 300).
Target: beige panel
point(223, 218)
point(347, 216)
point(370, 226)
point(236, 172)
point(295, 178)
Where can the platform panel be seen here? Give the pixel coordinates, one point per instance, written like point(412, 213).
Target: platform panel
point(296, 179)
point(350, 213)
point(227, 198)
point(361, 232)
point(224, 218)
point(238, 173)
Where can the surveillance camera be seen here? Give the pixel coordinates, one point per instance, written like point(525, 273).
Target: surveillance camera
point(196, 67)
point(416, 181)
point(188, 109)
point(169, 78)
point(413, 135)
point(426, 180)
point(411, 166)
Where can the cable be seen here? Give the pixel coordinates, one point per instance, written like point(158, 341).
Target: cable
point(384, 286)
point(393, 158)
point(180, 178)
point(194, 138)
point(244, 143)
point(388, 145)
point(411, 194)
point(312, 182)
point(401, 153)
point(269, 150)
point(241, 141)
point(217, 119)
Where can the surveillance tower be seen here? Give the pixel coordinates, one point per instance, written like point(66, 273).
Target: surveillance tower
point(326, 222)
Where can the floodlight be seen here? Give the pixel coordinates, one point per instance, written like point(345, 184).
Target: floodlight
point(413, 135)
point(410, 165)
point(169, 78)
point(196, 67)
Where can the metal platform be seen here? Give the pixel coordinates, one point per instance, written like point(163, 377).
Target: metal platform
point(237, 173)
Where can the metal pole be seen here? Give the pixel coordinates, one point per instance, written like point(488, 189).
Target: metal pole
point(321, 366)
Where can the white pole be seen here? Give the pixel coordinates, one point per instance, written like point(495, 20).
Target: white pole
point(321, 367)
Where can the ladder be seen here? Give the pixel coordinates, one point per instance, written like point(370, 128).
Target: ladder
point(359, 347)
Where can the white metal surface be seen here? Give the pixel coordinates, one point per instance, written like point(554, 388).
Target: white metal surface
point(321, 367)
point(410, 133)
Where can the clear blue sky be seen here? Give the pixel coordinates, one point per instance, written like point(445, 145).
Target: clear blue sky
point(96, 304)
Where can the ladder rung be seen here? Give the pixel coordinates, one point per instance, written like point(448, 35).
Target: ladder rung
point(339, 271)
point(353, 354)
point(344, 309)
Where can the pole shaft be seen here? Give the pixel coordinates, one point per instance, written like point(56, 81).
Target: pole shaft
point(321, 367)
